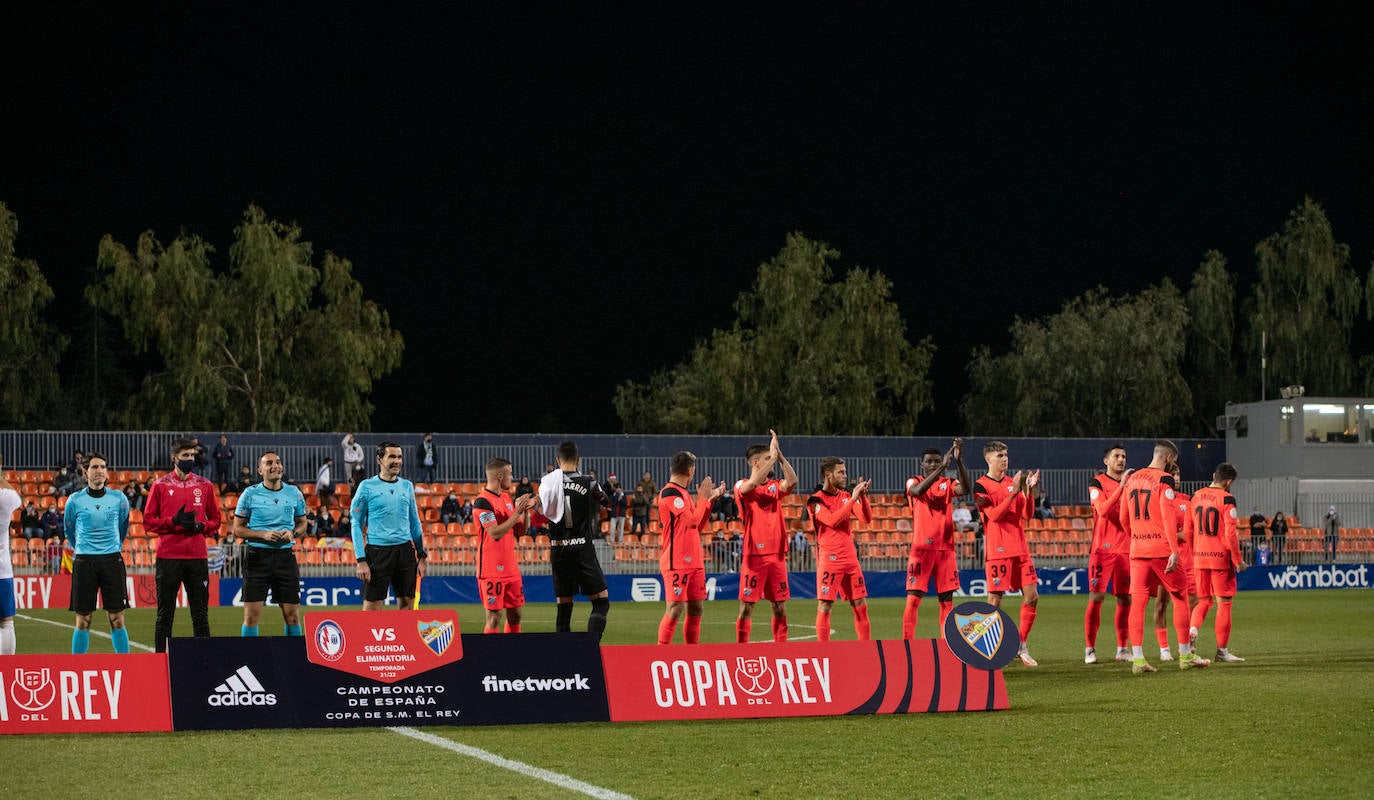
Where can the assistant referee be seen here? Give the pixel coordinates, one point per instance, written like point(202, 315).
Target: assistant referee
point(268, 518)
point(387, 536)
point(97, 522)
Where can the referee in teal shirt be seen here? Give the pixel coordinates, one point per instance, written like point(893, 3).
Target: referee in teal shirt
point(269, 517)
point(97, 521)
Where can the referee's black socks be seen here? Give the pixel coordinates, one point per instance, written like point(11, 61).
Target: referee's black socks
point(564, 621)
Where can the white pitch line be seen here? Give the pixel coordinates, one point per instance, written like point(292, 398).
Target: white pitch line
point(548, 776)
point(94, 632)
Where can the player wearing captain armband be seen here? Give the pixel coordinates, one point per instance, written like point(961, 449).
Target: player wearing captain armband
point(500, 521)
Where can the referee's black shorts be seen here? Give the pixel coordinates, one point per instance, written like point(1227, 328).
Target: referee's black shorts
point(271, 568)
point(99, 573)
point(393, 566)
point(576, 569)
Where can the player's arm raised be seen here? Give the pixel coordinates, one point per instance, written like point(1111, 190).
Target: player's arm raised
point(789, 475)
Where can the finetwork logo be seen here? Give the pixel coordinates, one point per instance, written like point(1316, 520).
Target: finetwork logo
point(1321, 577)
point(572, 683)
point(241, 689)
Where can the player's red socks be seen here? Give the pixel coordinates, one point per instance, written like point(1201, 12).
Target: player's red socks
point(946, 606)
point(1223, 625)
point(1136, 622)
point(691, 632)
point(823, 626)
point(490, 628)
point(1182, 619)
point(779, 629)
point(666, 626)
point(512, 628)
point(742, 627)
point(1204, 607)
point(1162, 636)
point(1092, 620)
point(861, 624)
point(1122, 620)
point(1027, 621)
point(909, 615)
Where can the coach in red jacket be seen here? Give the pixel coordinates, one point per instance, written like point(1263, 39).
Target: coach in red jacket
point(181, 511)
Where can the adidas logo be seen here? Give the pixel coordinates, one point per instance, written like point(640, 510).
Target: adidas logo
point(241, 689)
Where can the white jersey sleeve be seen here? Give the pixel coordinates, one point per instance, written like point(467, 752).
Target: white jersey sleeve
point(10, 502)
point(551, 495)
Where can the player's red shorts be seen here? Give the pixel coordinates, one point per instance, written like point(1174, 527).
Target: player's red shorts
point(1109, 568)
point(680, 585)
point(763, 577)
point(926, 565)
point(1010, 574)
point(842, 582)
point(1215, 582)
point(503, 592)
point(1185, 563)
point(1147, 574)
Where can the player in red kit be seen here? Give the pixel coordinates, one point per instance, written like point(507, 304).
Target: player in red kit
point(1185, 563)
point(680, 519)
point(1149, 511)
point(1212, 516)
point(763, 566)
point(838, 574)
point(1109, 557)
point(1006, 502)
point(500, 521)
point(931, 498)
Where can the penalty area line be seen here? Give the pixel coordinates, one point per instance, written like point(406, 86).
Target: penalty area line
point(548, 776)
point(94, 632)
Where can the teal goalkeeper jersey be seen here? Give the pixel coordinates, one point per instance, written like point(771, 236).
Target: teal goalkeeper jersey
point(268, 510)
point(96, 526)
point(386, 511)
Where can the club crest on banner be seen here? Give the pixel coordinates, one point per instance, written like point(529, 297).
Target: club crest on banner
point(437, 634)
point(981, 635)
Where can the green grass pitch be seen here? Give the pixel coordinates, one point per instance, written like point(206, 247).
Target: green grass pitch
point(1296, 720)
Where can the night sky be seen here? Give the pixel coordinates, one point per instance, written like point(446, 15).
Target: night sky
point(593, 187)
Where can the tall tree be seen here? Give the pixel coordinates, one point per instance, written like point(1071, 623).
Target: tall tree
point(1102, 366)
point(807, 354)
point(1305, 303)
point(29, 346)
point(271, 343)
point(1210, 356)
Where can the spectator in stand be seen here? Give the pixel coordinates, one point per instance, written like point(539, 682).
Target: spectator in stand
point(53, 523)
point(224, 461)
point(324, 524)
point(63, 482)
point(201, 458)
point(131, 494)
point(617, 509)
point(78, 461)
point(353, 461)
point(522, 488)
point(427, 458)
point(345, 526)
point(324, 482)
point(31, 522)
point(639, 509)
point(1043, 509)
point(801, 548)
point(1332, 525)
point(646, 482)
point(450, 509)
point(245, 479)
point(312, 523)
point(1278, 529)
point(963, 517)
point(465, 512)
point(1258, 534)
point(724, 509)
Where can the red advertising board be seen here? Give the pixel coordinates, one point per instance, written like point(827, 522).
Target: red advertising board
point(653, 682)
point(84, 694)
point(385, 646)
point(55, 591)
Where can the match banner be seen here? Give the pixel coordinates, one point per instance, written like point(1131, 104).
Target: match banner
point(794, 679)
point(84, 693)
point(270, 682)
point(387, 646)
point(55, 591)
